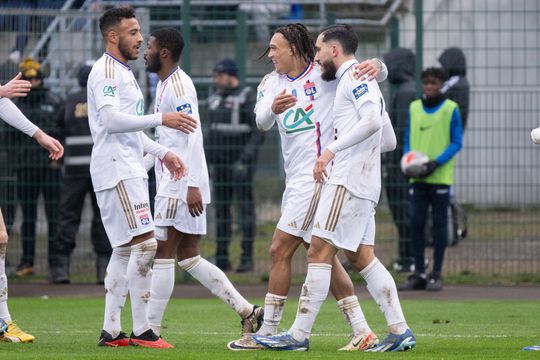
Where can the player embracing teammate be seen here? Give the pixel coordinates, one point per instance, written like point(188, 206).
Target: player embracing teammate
point(116, 117)
point(345, 217)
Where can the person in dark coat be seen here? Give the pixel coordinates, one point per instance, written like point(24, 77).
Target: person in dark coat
point(401, 69)
point(456, 87)
point(231, 149)
point(77, 183)
point(36, 172)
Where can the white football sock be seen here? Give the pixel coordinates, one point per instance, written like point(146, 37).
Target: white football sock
point(162, 288)
point(116, 290)
point(352, 312)
point(382, 287)
point(314, 292)
point(215, 280)
point(273, 311)
point(139, 274)
point(4, 312)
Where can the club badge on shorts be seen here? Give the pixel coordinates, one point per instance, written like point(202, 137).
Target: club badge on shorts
point(145, 219)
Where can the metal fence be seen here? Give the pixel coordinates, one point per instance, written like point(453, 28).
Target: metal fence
point(497, 169)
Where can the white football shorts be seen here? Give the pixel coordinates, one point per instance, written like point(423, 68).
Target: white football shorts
point(125, 210)
point(298, 207)
point(175, 212)
point(344, 220)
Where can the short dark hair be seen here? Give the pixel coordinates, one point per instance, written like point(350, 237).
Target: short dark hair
point(299, 36)
point(343, 34)
point(435, 72)
point(113, 16)
point(169, 38)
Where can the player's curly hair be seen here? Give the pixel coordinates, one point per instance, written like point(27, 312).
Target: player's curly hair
point(113, 16)
point(342, 33)
point(300, 40)
point(169, 38)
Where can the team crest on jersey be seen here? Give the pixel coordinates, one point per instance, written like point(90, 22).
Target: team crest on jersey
point(310, 89)
point(301, 120)
point(186, 108)
point(109, 90)
point(360, 90)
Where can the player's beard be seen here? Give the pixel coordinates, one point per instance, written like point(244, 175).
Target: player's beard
point(125, 51)
point(153, 64)
point(328, 70)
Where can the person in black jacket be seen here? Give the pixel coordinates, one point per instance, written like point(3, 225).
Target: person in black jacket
point(456, 87)
point(36, 172)
point(232, 146)
point(77, 183)
point(401, 65)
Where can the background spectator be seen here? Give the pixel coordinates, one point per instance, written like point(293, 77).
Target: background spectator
point(456, 87)
point(36, 173)
point(232, 146)
point(76, 184)
point(434, 130)
point(401, 64)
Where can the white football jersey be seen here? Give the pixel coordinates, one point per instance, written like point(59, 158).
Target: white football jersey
point(118, 156)
point(306, 128)
point(358, 167)
point(177, 93)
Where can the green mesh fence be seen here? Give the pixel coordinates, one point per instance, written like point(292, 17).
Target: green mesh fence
point(496, 172)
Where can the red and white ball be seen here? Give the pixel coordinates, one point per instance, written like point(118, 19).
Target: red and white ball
point(413, 163)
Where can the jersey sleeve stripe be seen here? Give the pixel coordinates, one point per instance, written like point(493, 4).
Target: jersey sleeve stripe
point(177, 85)
point(351, 73)
point(109, 68)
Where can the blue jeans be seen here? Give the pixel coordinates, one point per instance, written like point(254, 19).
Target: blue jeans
point(421, 196)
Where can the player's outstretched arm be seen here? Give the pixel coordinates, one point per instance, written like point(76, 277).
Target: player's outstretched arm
point(176, 166)
point(194, 201)
point(282, 102)
point(179, 121)
point(319, 170)
point(149, 161)
point(56, 150)
point(15, 88)
point(388, 137)
point(371, 69)
point(14, 117)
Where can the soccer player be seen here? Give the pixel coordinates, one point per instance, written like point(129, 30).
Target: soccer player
point(180, 207)
point(296, 98)
point(116, 118)
point(345, 217)
point(14, 117)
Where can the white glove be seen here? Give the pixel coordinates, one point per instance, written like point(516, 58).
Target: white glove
point(535, 135)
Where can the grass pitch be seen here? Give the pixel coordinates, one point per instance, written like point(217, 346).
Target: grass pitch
point(200, 329)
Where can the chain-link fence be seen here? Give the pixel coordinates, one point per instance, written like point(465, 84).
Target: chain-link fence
point(497, 169)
